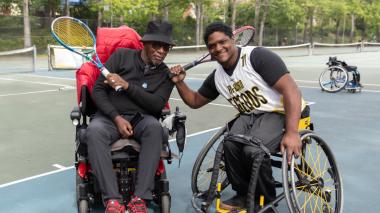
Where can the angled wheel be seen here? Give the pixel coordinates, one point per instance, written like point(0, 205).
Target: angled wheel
point(312, 182)
point(202, 169)
point(333, 79)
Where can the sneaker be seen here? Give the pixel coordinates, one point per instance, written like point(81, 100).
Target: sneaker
point(234, 203)
point(114, 206)
point(137, 205)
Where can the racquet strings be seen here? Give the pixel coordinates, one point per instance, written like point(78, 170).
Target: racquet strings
point(244, 37)
point(73, 33)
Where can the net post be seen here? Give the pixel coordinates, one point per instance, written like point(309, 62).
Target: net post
point(49, 57)
point(34, 58)
point(311, 46)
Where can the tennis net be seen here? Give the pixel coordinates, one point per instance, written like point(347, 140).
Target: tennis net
point(326, 49)
point(18, 61)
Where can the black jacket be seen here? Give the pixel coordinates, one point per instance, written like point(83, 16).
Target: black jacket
point(147, 93)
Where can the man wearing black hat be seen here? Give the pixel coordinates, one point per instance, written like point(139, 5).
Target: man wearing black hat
point(146, 88)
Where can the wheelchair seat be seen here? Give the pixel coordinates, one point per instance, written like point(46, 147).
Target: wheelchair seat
point(350, 68)
point(124, 147)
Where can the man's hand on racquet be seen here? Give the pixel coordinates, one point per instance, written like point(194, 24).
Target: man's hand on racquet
point(178, 74)
point(125, 128)
point(115, 81)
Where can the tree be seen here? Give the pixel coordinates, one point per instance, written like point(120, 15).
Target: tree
point(27, 40)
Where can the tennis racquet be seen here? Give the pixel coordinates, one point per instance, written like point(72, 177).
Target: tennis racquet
point(72, 33)
point(242, 37)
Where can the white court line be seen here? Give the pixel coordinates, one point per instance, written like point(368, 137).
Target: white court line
point(223, 105)
point(71, 167)
point(44, 76)
point(27, 93)
point(58, 166)
point(35, 177)
point(35, 82)
point(317, 82)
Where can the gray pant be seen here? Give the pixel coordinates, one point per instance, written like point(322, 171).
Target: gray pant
point(269, 128)
point(102, 132)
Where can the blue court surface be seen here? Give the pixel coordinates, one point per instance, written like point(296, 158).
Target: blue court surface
point(349, 123)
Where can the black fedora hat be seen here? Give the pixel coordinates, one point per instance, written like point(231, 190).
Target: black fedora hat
point(158, 30)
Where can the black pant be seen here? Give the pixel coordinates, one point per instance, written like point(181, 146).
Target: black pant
point(102, 132)
point(269, 128)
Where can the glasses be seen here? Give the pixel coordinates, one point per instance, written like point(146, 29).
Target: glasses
point(158, 45)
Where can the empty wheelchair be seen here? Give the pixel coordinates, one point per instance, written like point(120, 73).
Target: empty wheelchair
point(310, 183)
point(338, 77)
point(125, 154)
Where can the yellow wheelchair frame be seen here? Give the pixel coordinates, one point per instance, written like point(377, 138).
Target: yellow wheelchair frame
point(302, 180)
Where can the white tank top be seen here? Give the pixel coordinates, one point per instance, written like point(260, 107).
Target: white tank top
point(245, 89)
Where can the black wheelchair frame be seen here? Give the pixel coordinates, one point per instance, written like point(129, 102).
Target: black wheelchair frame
point(310, 183)
point(336, 77)
point(124, 156)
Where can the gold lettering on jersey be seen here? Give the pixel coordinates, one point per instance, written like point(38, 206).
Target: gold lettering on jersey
point(244, 60)
point(248, 100)
point(236, 87)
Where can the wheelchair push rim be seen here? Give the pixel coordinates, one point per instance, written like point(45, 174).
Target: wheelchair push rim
point(202, 169)
point(333, 79)
point(312, 182)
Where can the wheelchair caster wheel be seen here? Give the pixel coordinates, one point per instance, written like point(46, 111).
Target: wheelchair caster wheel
point(83, 206)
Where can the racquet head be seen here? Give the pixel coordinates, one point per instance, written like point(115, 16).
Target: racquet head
point(73, 33)
point(244, 35)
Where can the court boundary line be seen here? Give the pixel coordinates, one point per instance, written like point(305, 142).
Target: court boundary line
point(62, 169)
point(36, 82)
point(27, 93)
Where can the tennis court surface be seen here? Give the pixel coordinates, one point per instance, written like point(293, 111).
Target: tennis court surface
point(37, 137)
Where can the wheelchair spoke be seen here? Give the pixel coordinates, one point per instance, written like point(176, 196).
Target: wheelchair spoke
point(314, 179)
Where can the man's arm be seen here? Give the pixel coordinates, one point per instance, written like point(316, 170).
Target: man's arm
point(292, 104)
point(191, 98)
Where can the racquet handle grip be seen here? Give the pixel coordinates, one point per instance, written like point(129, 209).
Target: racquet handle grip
point(185, 67)
point(189, 66)
point(105, 72)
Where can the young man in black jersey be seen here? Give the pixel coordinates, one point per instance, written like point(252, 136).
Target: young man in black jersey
point(257, 83)
point(146, 88)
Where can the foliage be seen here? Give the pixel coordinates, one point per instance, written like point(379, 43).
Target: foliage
point(330, 19)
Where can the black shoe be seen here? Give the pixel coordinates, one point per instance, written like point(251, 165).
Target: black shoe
point(234, 203)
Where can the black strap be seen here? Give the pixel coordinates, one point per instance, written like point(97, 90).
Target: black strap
point(247, 140)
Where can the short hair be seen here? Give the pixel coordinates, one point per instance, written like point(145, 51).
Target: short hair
point(217, 27)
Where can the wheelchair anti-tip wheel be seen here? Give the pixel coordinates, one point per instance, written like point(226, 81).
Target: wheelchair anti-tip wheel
point(333, 79)
point(202, 169)
point(312, 182)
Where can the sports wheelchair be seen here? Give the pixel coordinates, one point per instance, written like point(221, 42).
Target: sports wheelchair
point(336, 77)
point(310, 183)
point(125, 154)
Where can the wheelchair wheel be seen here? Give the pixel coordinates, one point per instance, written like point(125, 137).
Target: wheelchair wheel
point(165, 204)
point(82, 204)
point(202, 170)
point(312, 182)
point(333, 79)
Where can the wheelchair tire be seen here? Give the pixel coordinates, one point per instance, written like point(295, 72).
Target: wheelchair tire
point(165, 203)
point(83, 206)
point(333, 79)
point(201, 183)
point(312, 182)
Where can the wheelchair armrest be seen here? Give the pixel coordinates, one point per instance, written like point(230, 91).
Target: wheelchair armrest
point(87, 106)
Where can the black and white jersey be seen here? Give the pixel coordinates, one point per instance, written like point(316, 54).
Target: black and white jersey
point(245, 89)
